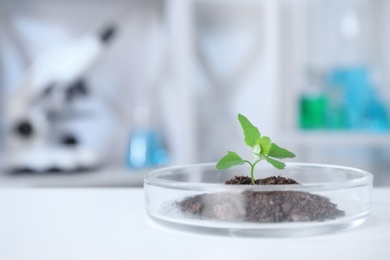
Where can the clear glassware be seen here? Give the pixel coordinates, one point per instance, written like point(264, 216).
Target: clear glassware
point(349, 190)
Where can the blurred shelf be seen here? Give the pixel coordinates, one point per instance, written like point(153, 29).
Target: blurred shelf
point(107, 177)
point(314, 137)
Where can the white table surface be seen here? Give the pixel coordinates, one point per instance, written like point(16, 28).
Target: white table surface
point(40, 224)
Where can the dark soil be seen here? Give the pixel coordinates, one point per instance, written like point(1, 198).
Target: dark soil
point(273, 180)
point(259, 206)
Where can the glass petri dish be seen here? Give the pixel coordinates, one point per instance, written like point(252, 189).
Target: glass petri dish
point(194, 198)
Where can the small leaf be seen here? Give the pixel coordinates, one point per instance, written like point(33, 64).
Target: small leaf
point(251, 133)
point(275, 163)
point(280, 153)
point(256, 153)
point(229, 160)
point(256, 149)
point(265, 145)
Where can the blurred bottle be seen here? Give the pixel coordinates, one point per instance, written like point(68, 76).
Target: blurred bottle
point(336, 110)
point(146, 146)
point(363, 108)
point(313, 104)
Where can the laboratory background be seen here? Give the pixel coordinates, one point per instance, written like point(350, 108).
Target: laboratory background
point(96, 93)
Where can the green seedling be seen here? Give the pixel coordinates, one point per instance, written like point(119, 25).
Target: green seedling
point(262, 149)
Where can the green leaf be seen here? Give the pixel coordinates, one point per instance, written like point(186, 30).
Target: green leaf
point(275, 163)
point(280, 153)
point(256, 149)
point(229, 160)
point(251, 133)
point(256, 153)
point(265, 145)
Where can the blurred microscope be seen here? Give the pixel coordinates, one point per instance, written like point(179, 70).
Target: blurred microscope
point(45, 100)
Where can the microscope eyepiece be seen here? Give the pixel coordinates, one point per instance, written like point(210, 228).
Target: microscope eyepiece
point(24, 128)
